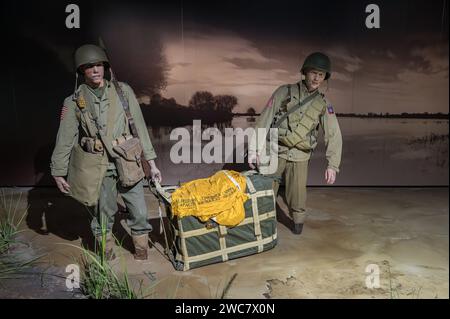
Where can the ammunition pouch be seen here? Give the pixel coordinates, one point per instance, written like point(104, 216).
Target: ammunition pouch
point(299, 136)
point(128, 161)
point(85, 175)
point(92, 145)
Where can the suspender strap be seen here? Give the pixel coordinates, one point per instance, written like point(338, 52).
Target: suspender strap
point(133, 129)
point(81, 103)
point(126, 107)
point(295, 108)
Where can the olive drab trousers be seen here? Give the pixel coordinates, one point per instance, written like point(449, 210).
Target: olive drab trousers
point(295, 175)
point(106, 208)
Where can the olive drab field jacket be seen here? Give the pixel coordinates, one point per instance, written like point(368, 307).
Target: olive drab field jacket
point(298, 134)
point(73, 126)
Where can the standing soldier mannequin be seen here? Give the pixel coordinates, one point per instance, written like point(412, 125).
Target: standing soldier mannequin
point(92, 120)
point(298, 133)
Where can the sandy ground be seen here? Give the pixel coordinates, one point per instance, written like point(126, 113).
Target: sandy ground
point(401, 232)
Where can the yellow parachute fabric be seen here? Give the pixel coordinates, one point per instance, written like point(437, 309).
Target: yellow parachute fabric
point(216, 197)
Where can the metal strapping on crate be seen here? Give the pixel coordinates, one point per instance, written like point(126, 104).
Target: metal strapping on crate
point(203, 231)
point(254, 199)
point(227, 251)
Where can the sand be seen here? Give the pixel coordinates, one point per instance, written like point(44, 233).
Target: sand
point(401, 232)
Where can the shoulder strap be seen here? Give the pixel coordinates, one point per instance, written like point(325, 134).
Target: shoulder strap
point(96, 132)
point(289, 94)
point(126, 107)
point(107, 139)
point(295, 108)
point(287, 99)
point(133, 129)
point(81, 103)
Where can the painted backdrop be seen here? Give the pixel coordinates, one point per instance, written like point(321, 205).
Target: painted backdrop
point(219, 62)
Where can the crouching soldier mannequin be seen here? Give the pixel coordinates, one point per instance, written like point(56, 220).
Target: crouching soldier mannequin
point(297, 111)
point(94, 124)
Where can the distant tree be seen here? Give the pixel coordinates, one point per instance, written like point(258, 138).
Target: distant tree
point(251, 110)
point(138, 58)
point(202, 100)
point(156, 99)
point(225, 102)
point(172, 101)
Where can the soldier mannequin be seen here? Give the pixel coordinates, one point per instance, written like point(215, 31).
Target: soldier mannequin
point(294, 150)
point(90, 62)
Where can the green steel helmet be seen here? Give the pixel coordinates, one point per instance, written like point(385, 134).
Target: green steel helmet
point(89, 53)
point(319, 61)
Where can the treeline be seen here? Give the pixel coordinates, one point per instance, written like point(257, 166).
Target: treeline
point(250, 112)
point(203, 106)
point(211, 109)
point(425, 115)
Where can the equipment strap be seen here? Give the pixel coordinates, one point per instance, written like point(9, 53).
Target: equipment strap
point(305, 101)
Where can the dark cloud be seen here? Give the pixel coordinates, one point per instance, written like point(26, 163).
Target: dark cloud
point(252, 64)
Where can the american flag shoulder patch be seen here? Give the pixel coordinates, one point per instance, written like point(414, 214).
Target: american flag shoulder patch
point(270, 102)
point(330, 109)
point(63, 112)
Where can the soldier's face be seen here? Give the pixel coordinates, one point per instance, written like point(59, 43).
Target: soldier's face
point(93, 73)
point(314, 79)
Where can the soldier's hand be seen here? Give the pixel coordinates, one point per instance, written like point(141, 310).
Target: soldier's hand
point(155, 173)
point(253, 160)
point(330, 176)
point(63, 186)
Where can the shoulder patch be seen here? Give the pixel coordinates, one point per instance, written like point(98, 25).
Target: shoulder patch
point(270, 102)
point(81, 102)
point(330, 109)
point(63, 112)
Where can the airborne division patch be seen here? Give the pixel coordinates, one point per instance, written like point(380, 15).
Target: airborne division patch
point(81, 102)
point(330, 109)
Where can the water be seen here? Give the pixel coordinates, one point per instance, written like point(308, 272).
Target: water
point(401, 152)
point(391, 152)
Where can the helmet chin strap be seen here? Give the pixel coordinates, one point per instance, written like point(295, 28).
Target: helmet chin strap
point(75, 95)
point(111, 73)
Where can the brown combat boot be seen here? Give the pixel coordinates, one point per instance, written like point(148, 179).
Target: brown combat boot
point(109, 246)
point(140, 246)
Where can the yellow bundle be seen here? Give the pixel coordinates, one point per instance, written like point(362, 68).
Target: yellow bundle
point(221, 197)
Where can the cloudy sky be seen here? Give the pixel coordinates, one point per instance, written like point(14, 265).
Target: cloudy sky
point(249, 48)
point(402, 67)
